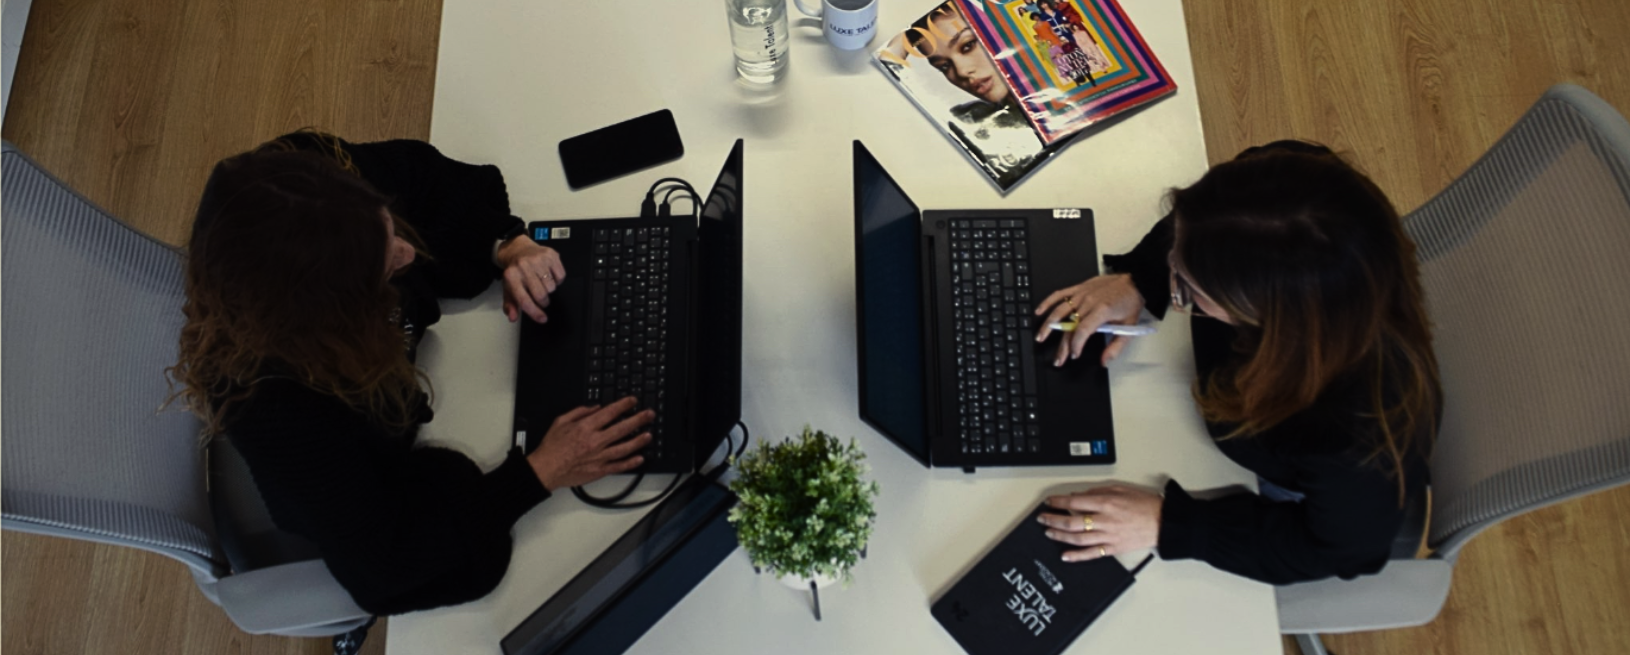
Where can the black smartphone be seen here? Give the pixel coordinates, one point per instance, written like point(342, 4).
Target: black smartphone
point(620, 149)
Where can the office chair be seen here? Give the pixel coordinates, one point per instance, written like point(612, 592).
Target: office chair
point(1527, 278)
point(92, 316)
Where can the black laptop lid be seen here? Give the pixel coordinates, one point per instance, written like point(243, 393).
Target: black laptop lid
point(888, 316)
point(608, 605)
point(718, 318)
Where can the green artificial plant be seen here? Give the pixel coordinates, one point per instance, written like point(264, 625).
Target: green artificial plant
point(804, 510)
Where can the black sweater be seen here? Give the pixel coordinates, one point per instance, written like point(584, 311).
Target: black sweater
point(401, 528)
point(1347, 521)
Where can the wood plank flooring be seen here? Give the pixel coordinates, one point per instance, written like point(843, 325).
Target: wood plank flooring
point(132, 101)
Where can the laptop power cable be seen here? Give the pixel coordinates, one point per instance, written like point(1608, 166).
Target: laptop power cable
point(732, 451)
point(649, 207)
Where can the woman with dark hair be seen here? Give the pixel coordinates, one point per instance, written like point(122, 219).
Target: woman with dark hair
point(313, 269)
point(1315, 364)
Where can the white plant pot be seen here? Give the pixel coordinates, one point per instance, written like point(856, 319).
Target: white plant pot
point(802, 584)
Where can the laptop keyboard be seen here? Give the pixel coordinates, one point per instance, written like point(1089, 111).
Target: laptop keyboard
point(628, 322)
point(995, 359)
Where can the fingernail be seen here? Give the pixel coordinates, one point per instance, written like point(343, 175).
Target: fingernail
point(1041, 520)
point(1066, 557)
point(1052, 535)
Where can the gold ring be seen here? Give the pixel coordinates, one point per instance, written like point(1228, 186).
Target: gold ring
point(1086, 524)
point(1075, 317)
point(1102, 552)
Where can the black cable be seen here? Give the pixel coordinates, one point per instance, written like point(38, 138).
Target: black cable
point(651, 192)
point(695, 203)
point(648, 207)
point(596, 501)
point(716, 471)
point(611, 503)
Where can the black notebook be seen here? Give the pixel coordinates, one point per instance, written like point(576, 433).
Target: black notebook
point(1021, 599)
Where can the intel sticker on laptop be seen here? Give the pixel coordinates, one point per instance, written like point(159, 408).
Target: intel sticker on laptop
point(545, 234)
point(1089, 448)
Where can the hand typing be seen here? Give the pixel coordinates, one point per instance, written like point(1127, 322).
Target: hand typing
point(1099, 300)
point(583, 445)
point(531, 273)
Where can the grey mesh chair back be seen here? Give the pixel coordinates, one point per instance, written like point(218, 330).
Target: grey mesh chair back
point(92, 309)
point(92, 315)
point(1526, 265)
point(1525, 261)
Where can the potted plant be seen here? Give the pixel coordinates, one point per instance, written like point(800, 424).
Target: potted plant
point(805, 511)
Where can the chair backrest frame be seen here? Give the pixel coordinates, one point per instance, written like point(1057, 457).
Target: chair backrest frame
point(88, 452)
point(1565, 119)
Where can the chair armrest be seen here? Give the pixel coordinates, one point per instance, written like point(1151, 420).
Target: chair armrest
point(300, 599)
point(1405, 593)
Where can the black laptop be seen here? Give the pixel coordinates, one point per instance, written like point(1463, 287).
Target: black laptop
point(625, 591)
point(949, 366)
point(650, 308)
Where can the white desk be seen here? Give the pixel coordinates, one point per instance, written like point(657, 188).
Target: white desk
point(517, 76)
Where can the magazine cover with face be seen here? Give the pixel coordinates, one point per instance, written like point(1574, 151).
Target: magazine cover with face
point(1071, 63)
point(939, 64)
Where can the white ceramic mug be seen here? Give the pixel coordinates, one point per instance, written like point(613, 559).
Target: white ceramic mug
point(849, 24)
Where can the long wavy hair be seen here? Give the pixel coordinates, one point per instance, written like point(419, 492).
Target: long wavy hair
point(285, 277)
point(313, 140)
point(1311, 260)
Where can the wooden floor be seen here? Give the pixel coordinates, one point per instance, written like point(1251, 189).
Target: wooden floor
point(131, 102)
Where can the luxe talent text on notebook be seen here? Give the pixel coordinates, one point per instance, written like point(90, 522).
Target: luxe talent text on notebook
point(1021, 599)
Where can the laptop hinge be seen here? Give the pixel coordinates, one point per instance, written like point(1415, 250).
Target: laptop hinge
point(930, 330)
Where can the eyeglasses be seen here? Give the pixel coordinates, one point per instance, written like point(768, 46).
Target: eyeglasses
point(1182, 293)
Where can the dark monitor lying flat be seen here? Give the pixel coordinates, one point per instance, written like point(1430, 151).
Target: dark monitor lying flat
point(629, 587)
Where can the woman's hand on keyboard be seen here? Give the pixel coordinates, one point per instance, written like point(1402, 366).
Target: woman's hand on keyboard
point(1100, 300)
point(531, 273)
point(587, 444)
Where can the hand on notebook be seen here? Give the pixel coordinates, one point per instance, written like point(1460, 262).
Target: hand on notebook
point(531, 273)
point(1099, 300)
point(586, 444)
point(1106, 521)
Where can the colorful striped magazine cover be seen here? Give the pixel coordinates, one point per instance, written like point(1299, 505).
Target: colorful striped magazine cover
point(940, 65)
point(1071, 62)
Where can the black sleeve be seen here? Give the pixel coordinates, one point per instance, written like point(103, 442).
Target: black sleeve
point(1147, 265)
point(402, 532)
point(1343, 527)
point(459, 209)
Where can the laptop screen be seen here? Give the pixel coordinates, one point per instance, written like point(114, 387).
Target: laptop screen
point(887, 239)
point(718, 321)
